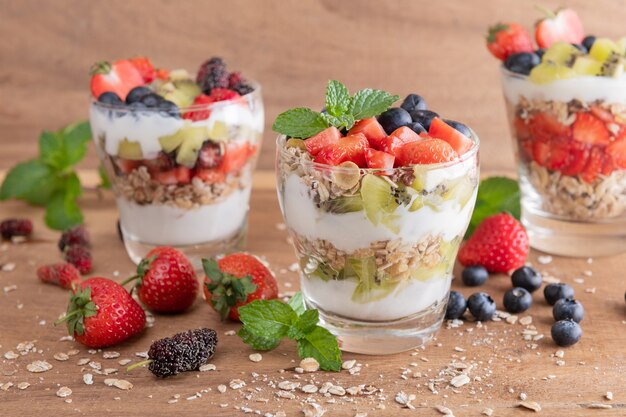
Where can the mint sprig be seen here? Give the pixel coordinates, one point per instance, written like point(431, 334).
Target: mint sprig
point(51, 180)
point(341, 111)
point(495, 195)
point(267, 322)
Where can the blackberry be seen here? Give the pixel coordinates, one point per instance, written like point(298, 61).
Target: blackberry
point(237, 83)
point(76, 235)
point(185, 351)
point(16, 227)
point(212, 74)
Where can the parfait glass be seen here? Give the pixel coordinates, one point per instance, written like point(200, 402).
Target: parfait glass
point(570, 141)
point(181, 182)
point(376, 248)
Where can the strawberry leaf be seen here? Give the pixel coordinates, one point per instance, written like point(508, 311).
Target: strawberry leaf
point(226, 290)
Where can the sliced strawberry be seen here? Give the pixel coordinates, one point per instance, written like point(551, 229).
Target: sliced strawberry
point(183, 174)
point(427, 151)
point(441, 130)
point(166, 177)
point(522, 130)
point(126, 166)
point(579, 154)
point(328, 136)
point(145, 68)
point(545, 126)
point(351, 148)
point(594, 165)
point(162, 74)
point(222, 94)
point(379, 160)
point(559, 154)
point(608, 166)
point(398, 138)
point(210, 175)
point(372, 130)
point(202, 113)
point(602, 114)
point(564, 25)
point(504, 39)
point(119, 77)
point(235, 157)
point(617, 151)
point(541, 153)
point(589, 129)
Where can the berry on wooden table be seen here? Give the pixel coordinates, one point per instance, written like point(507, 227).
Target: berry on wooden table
point(556, 291)
point(482, 306)
point(517, 300)
point(456, 306)
point(62, 274)
point(527, 277)
point(474, 275)
point(568, 309)
point(76, 235)
point(80, 257)
point(10, 228)
point(566, 332)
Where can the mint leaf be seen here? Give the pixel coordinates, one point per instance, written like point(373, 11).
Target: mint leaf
point(321, 345)
point(62, 211)
point(495, 195)
point(341, 121)
point(23, 178)
point(297, 303)
point(299, 123)
point(308, 320)
point(268, 318)
point(76, 137)
point(105, 183)
point(257, 342)
point(337, 98)
point(369, 103)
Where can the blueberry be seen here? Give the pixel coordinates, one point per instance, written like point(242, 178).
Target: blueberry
point(394, 118)
point(110, 98)
point(137, 106)
point(539, 52)
point(554, 292)
point(416, 127)
point(414, 102)
point(588, 41)
point(475, 275)
point(527, 278)
point(456, 306)
point(459, 126)
point(169, 108)
point(568, 309)
point(151, 100)
point(522, 62)
point(481, 305)
point(566, 332)
point(423, 117)
point(517, 300)
point(137, 93)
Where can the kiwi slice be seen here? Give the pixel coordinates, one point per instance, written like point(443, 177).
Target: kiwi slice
point(603, 48)
point(587, 66)
point(346, 204)
point(128, 149)
point(561, 53)
point(193, 138)
point(546, 72)
point(378, 199)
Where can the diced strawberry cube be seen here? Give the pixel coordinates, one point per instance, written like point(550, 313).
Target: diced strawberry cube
point(235, 157)
point(617, 150)
point(577, 160)
point(372, 130)
point(210, 175)
point(351, 148)
point(379, 160)
point(126, 166)
point(398, 138)
point(441, 130)
point(594, 165)
point(427, 151)
point(326, 137)
point(183, 174)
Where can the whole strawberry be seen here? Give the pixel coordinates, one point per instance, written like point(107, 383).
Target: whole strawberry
point(504, 39)
point(236, 280)
point(61, 274)
point(102, 313)
point(76, 235)
point(562, 25)
point(80, 257)
point(167, 281)
point(499, 243)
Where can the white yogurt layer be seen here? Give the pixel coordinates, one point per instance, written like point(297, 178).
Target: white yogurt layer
point(147, 127)
point(351, 231)
point(160, 224)
point(583, 88)
point(408, 298)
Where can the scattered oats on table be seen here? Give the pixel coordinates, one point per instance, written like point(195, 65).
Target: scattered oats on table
point(530, 405)
point(349, 364)
point(61, 356)
point(38, 366)
point(309, 365)
point(88, 379)
point(207, 367)
point(255, 357)
point(64, 392)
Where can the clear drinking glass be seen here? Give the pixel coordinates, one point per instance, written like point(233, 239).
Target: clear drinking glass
point(181, 182)
point(569, 137)
point(376, 248)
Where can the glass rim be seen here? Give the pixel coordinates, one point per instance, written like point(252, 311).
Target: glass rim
point(194, 107)
point(510, 74)
point(472, 152)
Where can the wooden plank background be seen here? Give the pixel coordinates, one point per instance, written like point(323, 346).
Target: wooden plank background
point(291, 46)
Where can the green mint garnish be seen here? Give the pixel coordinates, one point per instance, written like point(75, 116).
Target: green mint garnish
point(495, 195)
point(266, 322)
point(342, 111)
point(51, 180)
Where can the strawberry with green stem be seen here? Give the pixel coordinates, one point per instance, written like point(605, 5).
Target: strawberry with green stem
point(504, 39)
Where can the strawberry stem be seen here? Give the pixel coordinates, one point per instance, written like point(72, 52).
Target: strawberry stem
point(66, 317)
point(547, 12)
point(138, 364)
point(133, 278)
point(102, 67)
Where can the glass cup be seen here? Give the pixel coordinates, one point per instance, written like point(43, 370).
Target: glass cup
point(570, 142)
point(376, 247)
point(180, 181)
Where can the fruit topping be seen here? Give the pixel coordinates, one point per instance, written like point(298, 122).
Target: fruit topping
point(10, 228)
point(137, 93)
point(212, 74)
point(119, 78)
point(379, 160)
point(394, 118)
point(211, 155)
point(562, 25)
point(145, 68)
point(423, 117)
point(371, 128)
point(397, 139)
point(110, 98)
point(62, 274)
point(522, 62)
point(458, 141)
point(350, 148)
point(326, 137)
point(414, 102)
point(504, 39)
point(426, 151)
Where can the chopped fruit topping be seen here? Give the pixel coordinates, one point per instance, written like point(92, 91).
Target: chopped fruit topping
point(563, 25)
point(162, 162)
point(604, 48)
point(561, 53)
point(398, 138)
point(61, 274)
point(80, 257)
point(504, 39)
point(76, 235)
point(589, 129)
point(379, 160)
point(442, 130)
point(235, 156)
point(162, 74)
point(126, 166)
point(394, 118)
point(210, 175)
point(499, 243)
point(548, 71)
point(522, 62)
point(10, 228)
point(426, 151)
point(211, 155)
point(217, 94)
point(119, 77)
point(326, 137)
point(351, 148)
point(617, 151)
point(545, 126)
point(372, 130)
point(145, 68)
point(594, 165)
point(177, 175)
point(212, 74)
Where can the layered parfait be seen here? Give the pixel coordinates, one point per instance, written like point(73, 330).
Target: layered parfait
point(566, 102)
point(179, 150)
point(376, 201)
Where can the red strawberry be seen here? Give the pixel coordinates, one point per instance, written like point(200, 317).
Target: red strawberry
point(579, 154)
point(211, 154)
point(594, 165)
point(545, 126)
point(499, 243)
point(379, 160)
point(102, 313)
point(427, 151)
point(221, 94)
point(236, 280)
point(541, 152)
point(61, 274)
point(119, 77)
point(162, 74)
point(126, 166)
point(441, 130)
point(602, 114)
point(316, 143)
point(236, 155)
point(178, 175)
point(162, 162)
point(145, 68)
point(617, 150)
point(589, 129)
point(398, 138)
point(559, 153)
point(351, 148)
point(80, 257)
point(504, 39)
point(372, 130)
point(167, 281)
point(76, 235)
point(608, 166)
point(210, 175)
point(563, 25)
point(202, 113)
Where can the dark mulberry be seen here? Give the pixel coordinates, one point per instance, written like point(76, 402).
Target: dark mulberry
point(212, 74)
point(185, 351)
point(76, 235)
point(16, 227)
